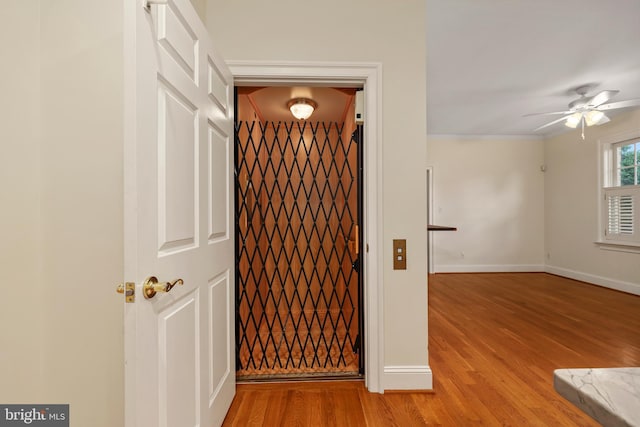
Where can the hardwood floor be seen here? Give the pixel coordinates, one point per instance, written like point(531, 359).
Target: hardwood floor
point(494, 341)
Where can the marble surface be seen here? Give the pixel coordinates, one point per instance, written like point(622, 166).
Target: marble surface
point(611, 396)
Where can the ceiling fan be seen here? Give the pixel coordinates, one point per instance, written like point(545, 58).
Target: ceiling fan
point(587, 110)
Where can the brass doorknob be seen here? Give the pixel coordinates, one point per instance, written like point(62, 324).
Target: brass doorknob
point(151, 286)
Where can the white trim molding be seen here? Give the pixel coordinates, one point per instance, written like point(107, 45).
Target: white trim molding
point(369, 77)
point(618, 285)
point(632, 248)
point(430, 240)
point(408, 377)
point(486, 137)
point(491, 268)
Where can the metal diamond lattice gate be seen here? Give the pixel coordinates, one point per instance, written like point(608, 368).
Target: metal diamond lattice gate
point(297, 295)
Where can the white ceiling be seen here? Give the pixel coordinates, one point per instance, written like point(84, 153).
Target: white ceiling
point(489, 62)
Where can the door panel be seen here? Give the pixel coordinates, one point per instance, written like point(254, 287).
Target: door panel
point(219, 90)
point(180, 369)
point(179, 352)
point(219, 170)
point(177, 171)
point(178, 39)
point(220, 357)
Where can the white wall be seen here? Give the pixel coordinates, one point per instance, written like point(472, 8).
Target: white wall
point(512, 217)
point(571, 209)
point(61, 244)
point(82, 207)
point(201, 7)
point(383, 32)
point(21, 319)
point(492, 190)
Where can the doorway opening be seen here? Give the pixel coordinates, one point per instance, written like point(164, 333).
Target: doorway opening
point(299, 197)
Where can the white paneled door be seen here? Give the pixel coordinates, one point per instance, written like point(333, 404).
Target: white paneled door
point(179, 344)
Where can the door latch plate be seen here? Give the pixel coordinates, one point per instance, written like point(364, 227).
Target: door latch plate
point(129, 291)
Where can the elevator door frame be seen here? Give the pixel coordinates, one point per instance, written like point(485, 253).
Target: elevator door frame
point(368, 76)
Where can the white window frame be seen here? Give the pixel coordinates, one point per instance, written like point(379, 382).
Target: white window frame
point(608, 188)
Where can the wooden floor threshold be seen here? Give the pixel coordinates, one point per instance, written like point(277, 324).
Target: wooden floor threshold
point(307, 377)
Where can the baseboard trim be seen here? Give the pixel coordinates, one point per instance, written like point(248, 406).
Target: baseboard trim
point(618, 285)
point(408, 377)
point(489, 268)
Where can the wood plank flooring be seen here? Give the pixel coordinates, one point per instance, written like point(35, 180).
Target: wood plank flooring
point(494, 341)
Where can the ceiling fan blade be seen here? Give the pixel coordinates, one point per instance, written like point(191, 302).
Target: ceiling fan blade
point(602, 97)
point(551, 123)
point(620, 104)
point(552, 113)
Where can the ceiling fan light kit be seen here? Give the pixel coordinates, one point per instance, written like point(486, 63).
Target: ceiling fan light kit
point(587, 110)
point(573, 120)
point(590, 118)
point(595, 117)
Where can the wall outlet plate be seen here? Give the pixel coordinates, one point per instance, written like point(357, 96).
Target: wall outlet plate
point(399, 254)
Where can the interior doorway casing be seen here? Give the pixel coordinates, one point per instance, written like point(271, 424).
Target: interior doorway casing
point(368, 76)
point(430, 246)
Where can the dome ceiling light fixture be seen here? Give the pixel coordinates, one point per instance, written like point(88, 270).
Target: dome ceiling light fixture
point(302, 108)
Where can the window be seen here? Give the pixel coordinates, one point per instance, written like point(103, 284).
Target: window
point(621, 190)
point(627, 163)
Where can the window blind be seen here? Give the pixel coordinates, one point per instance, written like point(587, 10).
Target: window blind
point(620, 215)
